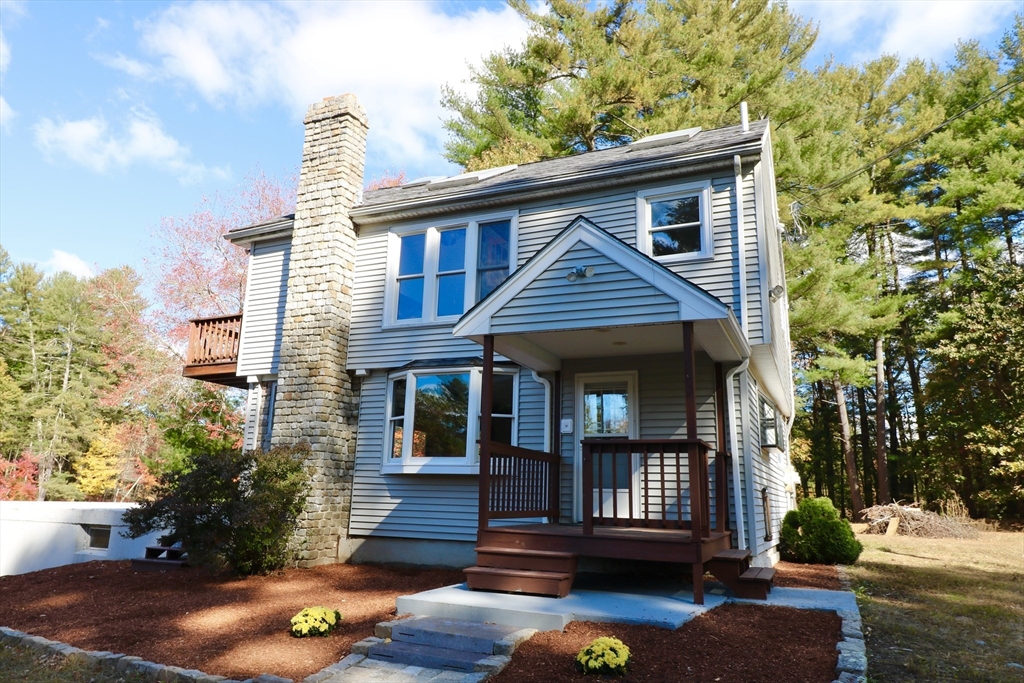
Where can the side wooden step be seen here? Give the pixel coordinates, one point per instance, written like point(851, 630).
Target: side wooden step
point(755, 583)
point(728, 565)
point(519, 581)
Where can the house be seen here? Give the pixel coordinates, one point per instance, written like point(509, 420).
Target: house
point(583, 357)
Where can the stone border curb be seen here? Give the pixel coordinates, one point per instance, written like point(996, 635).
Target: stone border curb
point(852, 666)
point(112, 661)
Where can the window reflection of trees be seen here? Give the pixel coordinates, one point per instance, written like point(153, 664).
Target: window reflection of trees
point(441, 417)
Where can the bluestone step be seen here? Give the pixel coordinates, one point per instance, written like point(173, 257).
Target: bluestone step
point(471, 636)
point(427, 656)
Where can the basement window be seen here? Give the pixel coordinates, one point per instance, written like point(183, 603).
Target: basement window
point(99, 536)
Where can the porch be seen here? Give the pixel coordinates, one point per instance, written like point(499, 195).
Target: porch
point(588, 300)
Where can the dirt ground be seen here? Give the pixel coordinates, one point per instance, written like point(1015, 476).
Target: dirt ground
point(730, 644)
point(239, 627)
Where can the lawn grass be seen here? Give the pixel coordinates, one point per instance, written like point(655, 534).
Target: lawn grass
point(942, 609)
point(25, 665)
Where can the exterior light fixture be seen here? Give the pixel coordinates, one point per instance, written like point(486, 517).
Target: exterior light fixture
point(776, 292)
point(578, 272)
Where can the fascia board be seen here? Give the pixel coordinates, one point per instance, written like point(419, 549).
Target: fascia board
point(247, 236)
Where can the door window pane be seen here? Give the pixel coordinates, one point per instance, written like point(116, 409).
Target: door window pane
point(606, 409)
point(607, 464)
point(440, 420)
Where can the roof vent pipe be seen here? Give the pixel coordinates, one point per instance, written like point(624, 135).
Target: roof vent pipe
point(744, 118)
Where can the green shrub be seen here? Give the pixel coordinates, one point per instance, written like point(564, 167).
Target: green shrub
point(229, 508)
point(814, 533)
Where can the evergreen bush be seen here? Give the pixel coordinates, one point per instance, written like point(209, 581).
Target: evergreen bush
point(814, 533)
point(229, 508)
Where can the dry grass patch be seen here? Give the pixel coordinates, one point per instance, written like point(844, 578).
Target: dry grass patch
point(943, 609)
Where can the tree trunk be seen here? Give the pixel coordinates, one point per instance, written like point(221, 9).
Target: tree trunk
point(1008, 233)
point(867, 457)
point(881, 463)
point(856, 502)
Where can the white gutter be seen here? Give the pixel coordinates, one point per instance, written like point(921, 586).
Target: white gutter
point(748, 460)
point(730, 404)
point(741, 246)
point(547, 410)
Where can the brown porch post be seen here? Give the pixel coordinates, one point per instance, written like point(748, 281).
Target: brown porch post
point(486, 401)
point(696, 486)
point(721, 480)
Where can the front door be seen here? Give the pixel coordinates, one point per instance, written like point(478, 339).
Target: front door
point(606, 408)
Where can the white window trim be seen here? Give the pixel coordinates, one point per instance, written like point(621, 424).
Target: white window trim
point(430, 255)
point(470, 464)
point(702, 190)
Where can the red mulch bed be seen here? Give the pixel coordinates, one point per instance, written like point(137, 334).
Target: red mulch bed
point(219, 624)
point(793, 575)
point(730, 644)
point(238, 628)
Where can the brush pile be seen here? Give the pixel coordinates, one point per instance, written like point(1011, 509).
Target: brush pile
point(914, 521)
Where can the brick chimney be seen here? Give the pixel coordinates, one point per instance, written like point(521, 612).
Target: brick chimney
point(315, 399)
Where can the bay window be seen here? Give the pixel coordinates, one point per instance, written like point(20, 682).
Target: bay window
point(434, 418)
point(443, 270)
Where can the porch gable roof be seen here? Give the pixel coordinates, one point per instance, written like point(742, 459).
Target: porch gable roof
point(627, 288)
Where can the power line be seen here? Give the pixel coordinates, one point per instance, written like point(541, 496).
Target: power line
point(899, 148)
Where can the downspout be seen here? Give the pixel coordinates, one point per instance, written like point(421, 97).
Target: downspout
point(748, 460)
point(741, 243)
point(547, 409)
point(730, 405)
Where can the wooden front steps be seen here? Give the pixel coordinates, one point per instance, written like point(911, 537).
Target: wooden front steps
point(519, 570)
point(732, 567)
point(160, 558)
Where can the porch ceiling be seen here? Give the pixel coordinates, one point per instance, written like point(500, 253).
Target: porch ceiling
point(545, 351)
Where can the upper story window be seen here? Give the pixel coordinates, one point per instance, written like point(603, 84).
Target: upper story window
point(442, 271)
point(674, 223)
point(434, 418)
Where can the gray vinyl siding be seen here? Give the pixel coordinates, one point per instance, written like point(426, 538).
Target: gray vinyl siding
point(551, 302)
point(539, 224)
point(424, 506)
point(661, 410)
point(768, 471)
point(370, 346)
point(755, 318)
point(263, 318)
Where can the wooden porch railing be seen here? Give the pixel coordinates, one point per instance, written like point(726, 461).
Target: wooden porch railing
point(521, 483)
point(213, 340)
point(652, 492)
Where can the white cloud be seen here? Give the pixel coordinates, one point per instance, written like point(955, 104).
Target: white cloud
point(91, 143)
point(394, 56)
point(64, 261)
point(6, 113)
point(132, 67)
point(861, 30)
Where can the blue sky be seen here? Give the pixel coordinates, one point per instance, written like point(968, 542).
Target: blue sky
point(115, 114)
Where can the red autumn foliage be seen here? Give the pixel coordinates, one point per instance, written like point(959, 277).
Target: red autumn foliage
point(388, 179)
point(19, 478)
point(198, 272)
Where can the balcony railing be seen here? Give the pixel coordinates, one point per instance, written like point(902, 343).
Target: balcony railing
point(645, 483)
point(212, 353)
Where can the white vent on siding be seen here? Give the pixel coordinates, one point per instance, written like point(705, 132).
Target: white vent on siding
point(469, 178)
point(662, 139)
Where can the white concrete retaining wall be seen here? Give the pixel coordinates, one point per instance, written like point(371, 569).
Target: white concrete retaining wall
point(39, 535)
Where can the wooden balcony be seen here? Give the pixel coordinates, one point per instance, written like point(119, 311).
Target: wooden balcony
point(212, 354)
